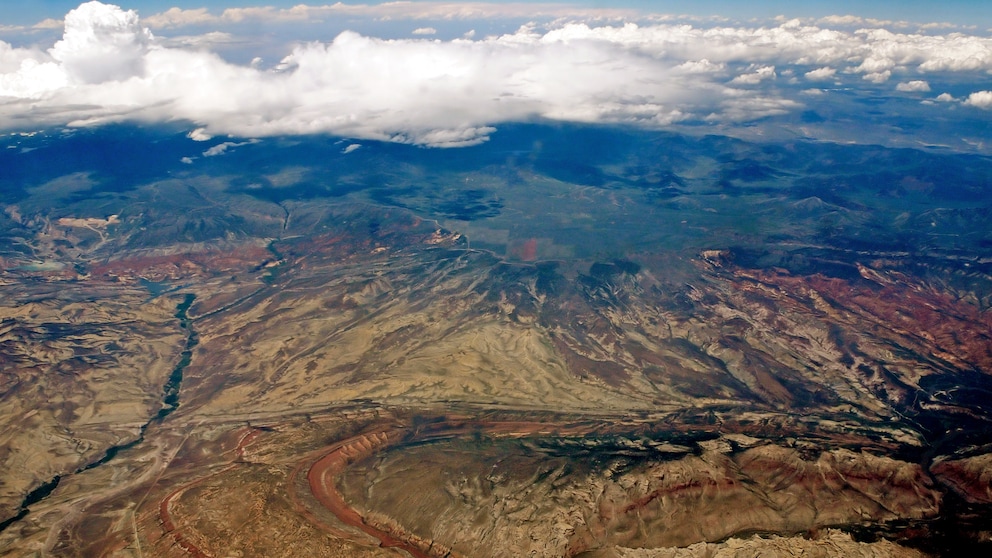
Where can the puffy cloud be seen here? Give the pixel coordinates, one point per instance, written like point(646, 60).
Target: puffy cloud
point(28, 73)
point(199, 134)
point(12, 58)
point(101, 43)
point(915, 85)
point(351, 147)
point(32, 80)
point(875, 65)
point(878, 77)
point(414, 91)
point(108, 68)
point(703, 66)
point(757, 76)
point(820, 74)
point(980, 99)
point(945, 98)
point(425, 31)
point(865, 51)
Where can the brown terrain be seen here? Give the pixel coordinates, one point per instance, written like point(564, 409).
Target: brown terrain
point(359, 390)
point(82, 369)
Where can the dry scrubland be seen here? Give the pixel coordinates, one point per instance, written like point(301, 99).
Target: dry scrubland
point(359, 380)
point(788, 429)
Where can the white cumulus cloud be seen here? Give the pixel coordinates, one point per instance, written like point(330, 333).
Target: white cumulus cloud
point(413, 91)
point(821, 74)
point(878, 77)
point(757, 76)
point(915, 85)
point(199, 134)
point(703, 66)
point(980, 99)
point(108, 68)
point(425, 31)
point(101, 43)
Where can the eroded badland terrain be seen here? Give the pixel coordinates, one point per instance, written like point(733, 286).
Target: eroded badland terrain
point(704, 348)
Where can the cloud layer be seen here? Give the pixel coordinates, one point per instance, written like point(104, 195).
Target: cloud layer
point(177, 17)
point(108, 67)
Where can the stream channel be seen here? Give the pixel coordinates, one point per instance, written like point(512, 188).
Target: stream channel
point(170, 402)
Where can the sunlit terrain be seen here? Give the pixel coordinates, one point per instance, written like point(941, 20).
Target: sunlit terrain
point(542, 335)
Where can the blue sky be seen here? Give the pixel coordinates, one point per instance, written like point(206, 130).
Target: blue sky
point(978, 12)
